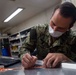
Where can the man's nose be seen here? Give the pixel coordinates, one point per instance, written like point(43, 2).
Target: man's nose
point(55, 28)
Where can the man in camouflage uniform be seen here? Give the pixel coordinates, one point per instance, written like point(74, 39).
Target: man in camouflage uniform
point(53, 42)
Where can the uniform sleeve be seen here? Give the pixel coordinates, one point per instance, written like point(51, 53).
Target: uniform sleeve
point(72, 48)
point(73, 52)
point(28, 46)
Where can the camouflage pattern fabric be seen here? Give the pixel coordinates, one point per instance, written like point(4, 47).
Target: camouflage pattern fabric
point(45, 43)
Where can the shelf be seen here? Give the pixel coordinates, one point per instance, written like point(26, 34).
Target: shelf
point(22, 36)
point(14, 51)
point(24, 32)
point(15, 54)
point(22, 39)
point(14, 38)
point(2, 37)
point(16, 44)
point(17, 39)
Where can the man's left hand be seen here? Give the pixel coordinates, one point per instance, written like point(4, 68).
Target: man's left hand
point(52, 59)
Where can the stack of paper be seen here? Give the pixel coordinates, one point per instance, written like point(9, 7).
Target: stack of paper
point(39, 62)
point(69, 65)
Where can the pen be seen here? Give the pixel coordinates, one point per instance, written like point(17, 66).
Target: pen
point(34, 52)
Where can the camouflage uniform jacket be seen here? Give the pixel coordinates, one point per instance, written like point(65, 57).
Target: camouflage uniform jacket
point(45, 45)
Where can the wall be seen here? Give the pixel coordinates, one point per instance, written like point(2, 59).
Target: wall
point(74, 27)
point(40, 18)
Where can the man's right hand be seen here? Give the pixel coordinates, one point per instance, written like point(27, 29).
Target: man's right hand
point(28, 61)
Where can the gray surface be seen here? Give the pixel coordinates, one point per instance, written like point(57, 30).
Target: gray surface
point(34, 72)
point(69, 71)
point(39, 71)
point(15, 65)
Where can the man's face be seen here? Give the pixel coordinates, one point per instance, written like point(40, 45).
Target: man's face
point(59, 23)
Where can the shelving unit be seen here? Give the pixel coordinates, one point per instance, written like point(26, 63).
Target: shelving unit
point(16, 41)
point(23, 34)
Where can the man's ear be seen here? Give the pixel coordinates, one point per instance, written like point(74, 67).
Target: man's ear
point(72, 24)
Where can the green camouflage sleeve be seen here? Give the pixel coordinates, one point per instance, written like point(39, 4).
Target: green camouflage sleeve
point(71, 52)
point(28, 46)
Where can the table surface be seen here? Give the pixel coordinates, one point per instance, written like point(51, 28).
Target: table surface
point(18, 70)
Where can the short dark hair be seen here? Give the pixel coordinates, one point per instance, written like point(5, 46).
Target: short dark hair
point(67, 9)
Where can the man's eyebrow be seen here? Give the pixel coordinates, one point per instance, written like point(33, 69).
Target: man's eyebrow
point(58, 27)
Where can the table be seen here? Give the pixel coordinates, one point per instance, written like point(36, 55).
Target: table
point(39, 71)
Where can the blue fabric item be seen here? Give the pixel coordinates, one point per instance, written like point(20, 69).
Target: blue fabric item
point(4, 52)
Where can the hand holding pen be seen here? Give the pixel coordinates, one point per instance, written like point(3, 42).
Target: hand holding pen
point(28, 61)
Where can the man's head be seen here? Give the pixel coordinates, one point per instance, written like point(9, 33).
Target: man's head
point(64, 17)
